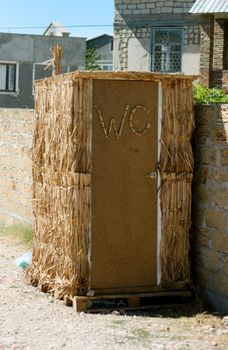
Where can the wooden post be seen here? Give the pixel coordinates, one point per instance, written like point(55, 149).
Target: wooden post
point(55, 62)
point(57, 56)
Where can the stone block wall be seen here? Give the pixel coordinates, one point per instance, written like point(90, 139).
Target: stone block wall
point(219, 78)
point(16, 128)
point(213, 56)
point(218, 44)
point(146, 7)
point(210, 204)
point(206, 51)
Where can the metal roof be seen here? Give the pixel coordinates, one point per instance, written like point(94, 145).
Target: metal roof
point(209, 6)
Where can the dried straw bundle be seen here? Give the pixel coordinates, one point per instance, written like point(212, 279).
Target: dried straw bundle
point(61, 186)
point(176, 163)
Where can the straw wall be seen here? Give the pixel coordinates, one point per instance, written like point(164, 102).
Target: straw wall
point(176, 166)
point(61, 180)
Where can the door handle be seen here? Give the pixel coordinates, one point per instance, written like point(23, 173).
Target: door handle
point(152, 175)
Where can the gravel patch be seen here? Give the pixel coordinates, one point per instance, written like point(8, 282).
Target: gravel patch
point(32, 320)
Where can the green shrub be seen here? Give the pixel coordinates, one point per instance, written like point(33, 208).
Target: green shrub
point(204, 95)
point(91, 59)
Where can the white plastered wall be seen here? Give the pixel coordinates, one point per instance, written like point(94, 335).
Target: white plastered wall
point(138, 54)
point(191, 59)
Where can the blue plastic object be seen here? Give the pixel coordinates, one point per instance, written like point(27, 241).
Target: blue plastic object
point(24, 261)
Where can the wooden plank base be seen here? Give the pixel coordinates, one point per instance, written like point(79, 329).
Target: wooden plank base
point(140, 301)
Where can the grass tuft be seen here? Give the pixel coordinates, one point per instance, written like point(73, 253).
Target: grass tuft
point(141, 334)
point(19, 231)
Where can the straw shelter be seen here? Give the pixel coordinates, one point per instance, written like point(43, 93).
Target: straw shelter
point(112, 172)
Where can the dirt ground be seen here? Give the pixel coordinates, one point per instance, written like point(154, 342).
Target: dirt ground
point(33, 320)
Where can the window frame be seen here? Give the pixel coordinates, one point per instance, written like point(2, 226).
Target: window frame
point(16, 78)
point(105, 63)
point(153, 45)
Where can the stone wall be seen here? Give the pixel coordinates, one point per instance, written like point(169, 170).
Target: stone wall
point(210, 204)
point(218, 44)
point(219, 78)
point(16, 127)
point(123, 35)
point(139, 7)
point(213, 65)
point(206, 51)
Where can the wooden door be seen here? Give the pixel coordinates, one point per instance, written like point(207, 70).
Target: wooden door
point(124, 196)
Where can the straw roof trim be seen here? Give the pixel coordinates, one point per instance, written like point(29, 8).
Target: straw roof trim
point(150, 76)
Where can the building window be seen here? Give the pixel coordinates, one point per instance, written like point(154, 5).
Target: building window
point(166, 50)
point(8, 77)
point(106, 67)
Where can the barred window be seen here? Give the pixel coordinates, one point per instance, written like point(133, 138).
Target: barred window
point(7, 77)
point(166, 50)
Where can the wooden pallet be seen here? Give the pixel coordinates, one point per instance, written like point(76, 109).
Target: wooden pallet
point(137, 301)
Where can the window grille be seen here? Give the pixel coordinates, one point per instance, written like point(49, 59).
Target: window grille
point(166, 50)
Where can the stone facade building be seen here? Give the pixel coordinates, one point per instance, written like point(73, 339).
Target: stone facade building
point(153, 35)
point(173, 36)
point(214, 42)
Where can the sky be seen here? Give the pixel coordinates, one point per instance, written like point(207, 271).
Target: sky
point(36, 15)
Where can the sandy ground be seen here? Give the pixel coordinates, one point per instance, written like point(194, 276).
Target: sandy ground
point(33, 320)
